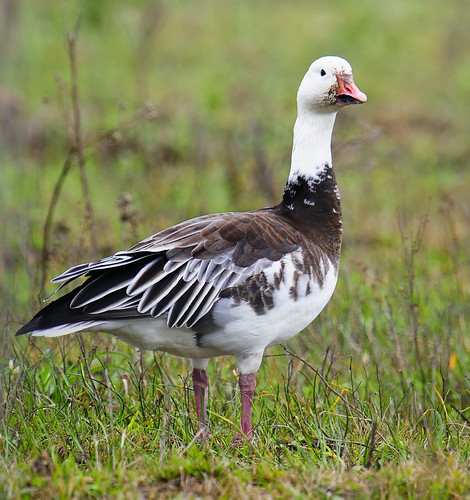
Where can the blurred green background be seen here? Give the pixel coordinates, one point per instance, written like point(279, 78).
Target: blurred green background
point(217, 82)
point(223, 77)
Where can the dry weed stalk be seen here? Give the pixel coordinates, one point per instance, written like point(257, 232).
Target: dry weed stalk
point(78, 143)
point(76, 156)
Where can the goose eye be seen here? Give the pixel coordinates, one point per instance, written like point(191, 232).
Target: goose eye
point(322, 72)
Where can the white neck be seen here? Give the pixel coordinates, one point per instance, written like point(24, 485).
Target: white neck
point(311, 150)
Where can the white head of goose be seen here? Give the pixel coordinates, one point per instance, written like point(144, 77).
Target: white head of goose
point(232, 283)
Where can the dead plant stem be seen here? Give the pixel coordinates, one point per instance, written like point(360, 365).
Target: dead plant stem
point(77, 140)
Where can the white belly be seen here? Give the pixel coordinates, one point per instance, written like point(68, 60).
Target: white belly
point(244, 329)
point(239, 329)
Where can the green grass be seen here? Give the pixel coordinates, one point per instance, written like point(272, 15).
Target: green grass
point(372, 400)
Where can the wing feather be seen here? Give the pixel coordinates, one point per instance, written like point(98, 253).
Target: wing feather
point(96, 289)
point(180, 272)
point(154, 294)
point(204, 307)
point(181, 307)
point(147, 276)
point(111, 301)
point(165, 303)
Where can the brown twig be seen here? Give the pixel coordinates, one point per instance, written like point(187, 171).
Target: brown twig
point(87, 366)
point(46, 232)
point(76, 151)
point(77, 142)
point(410, 252)
point(146, 112)
point(371, 446)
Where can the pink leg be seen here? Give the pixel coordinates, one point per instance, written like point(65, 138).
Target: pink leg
point(247, 388)
point(200, 383)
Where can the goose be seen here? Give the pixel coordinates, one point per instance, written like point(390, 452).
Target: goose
point(230, 283)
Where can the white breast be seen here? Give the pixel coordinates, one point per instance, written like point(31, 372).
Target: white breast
point(242, 329)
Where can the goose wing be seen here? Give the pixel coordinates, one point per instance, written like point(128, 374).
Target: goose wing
point(180, 272)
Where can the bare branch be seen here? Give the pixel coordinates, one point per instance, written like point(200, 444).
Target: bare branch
point(77, 143)
point(46, 233)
